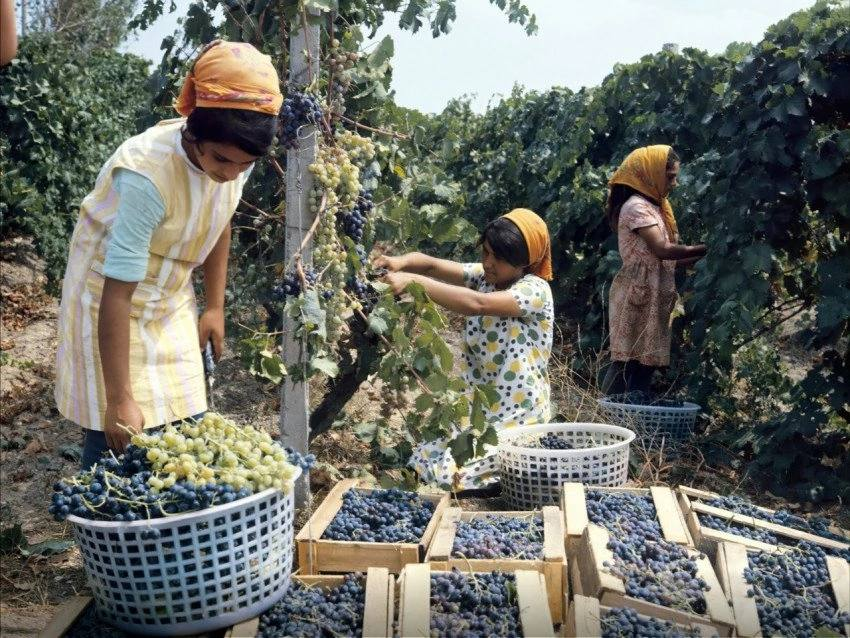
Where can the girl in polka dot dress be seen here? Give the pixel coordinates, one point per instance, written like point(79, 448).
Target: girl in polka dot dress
point(507, 337)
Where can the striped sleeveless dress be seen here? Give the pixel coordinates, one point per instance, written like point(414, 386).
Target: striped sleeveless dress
point(166, 372)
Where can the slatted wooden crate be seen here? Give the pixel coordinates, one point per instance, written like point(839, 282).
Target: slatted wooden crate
point(598, 581)
point(378, 612)
point(74, 609)
point(551, 565)
point(574, 508)
point(414, 618)
point(707, 539)
point(584, 620)
point(731, 561)
point(317, 555)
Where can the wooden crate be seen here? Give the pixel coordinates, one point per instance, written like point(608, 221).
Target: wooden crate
point(378, 613)
point(708, 539)
point(574, 508)
point(585, 614)
point(731, 561)
point(551, 565)
point(68, 613)
point(317, 555)
point(414, 618)
point(597, 581)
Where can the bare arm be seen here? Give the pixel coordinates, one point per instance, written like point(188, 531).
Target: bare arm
point(460, 299)
point(113, 338)
point(211, 324)
point(445, 270)
point(8, 32)
point(663, 249)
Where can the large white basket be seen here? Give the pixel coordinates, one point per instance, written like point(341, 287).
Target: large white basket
point(654, 425)
point(207, 570)
point(532, 477)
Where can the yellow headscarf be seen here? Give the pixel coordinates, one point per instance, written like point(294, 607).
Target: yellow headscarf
point(645, 170)
point(231, 75)
point(536, 235)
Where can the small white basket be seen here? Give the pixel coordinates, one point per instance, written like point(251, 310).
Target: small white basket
point(532, 476)
point(654, 425)
point(207, 570)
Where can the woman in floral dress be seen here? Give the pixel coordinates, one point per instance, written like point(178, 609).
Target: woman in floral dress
point(508, 333)
point(643, 293)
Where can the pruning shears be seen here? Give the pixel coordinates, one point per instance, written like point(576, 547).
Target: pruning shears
point(209, 369)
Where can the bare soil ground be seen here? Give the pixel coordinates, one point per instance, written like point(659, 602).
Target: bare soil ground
point(38, 446)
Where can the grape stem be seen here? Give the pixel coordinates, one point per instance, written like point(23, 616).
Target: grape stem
point(393, 134)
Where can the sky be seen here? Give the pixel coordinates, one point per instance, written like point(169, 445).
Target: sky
point(577, 44)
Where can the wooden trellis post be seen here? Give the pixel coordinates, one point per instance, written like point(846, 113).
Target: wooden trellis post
point(294, 398)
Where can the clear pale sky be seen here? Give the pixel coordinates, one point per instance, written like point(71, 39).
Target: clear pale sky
point(577, 44)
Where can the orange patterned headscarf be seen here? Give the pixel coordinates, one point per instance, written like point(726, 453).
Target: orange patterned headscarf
point(231, 75)
point(645, 170)
point(536, 235)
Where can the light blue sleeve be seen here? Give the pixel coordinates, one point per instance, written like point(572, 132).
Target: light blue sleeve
point(140, 211)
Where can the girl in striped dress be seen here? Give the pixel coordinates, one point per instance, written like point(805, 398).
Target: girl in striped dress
point(129, 354)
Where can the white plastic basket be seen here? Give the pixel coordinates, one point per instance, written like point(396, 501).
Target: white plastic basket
point(654, 425)
point(207, 570)
point(532, 476)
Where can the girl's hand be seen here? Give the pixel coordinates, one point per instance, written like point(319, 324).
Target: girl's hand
point(122, 420)
point(392, 264)
point(398, 281)
point(211, 327)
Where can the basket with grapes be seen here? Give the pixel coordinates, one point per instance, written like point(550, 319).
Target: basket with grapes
point(625, 561)
point(469, 603)
point(800, 591)
point(190, 530)
point(339, 605)
point(582, 505)
point(504, 541)
point(658, 422)
point(588, 619)
point(535, 461)
point(355, 528)
point(713, 519)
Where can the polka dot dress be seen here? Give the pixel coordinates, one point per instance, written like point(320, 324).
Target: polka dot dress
point(511, 354)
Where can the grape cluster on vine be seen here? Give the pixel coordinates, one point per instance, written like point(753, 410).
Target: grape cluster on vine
point(793, 592)
point(499, 536)
point(299, 109)
point(479, 605)
point(381, 516)
point(354, 220)
point(181, 468)
point(316, 612)
point(623, 622)
point(291, 284)
point(653, 568)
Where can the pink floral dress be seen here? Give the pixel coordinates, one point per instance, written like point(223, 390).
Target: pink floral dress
point(643, 293)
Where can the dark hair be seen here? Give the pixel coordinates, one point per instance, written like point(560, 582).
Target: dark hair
point(506, 241)
point(618, 194)
point(250, 131)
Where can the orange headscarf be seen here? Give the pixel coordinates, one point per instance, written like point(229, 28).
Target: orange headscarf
point(536, 235)
point(645, 170)
point(231, 75)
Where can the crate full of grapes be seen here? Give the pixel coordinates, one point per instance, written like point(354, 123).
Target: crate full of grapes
point(355, 528)
point(329, 605)
point(625, 561)
point(582, 504)
point(799, 591)
point(587, 618)
point(458, 602)
point(713, 519)
point(504, 541)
